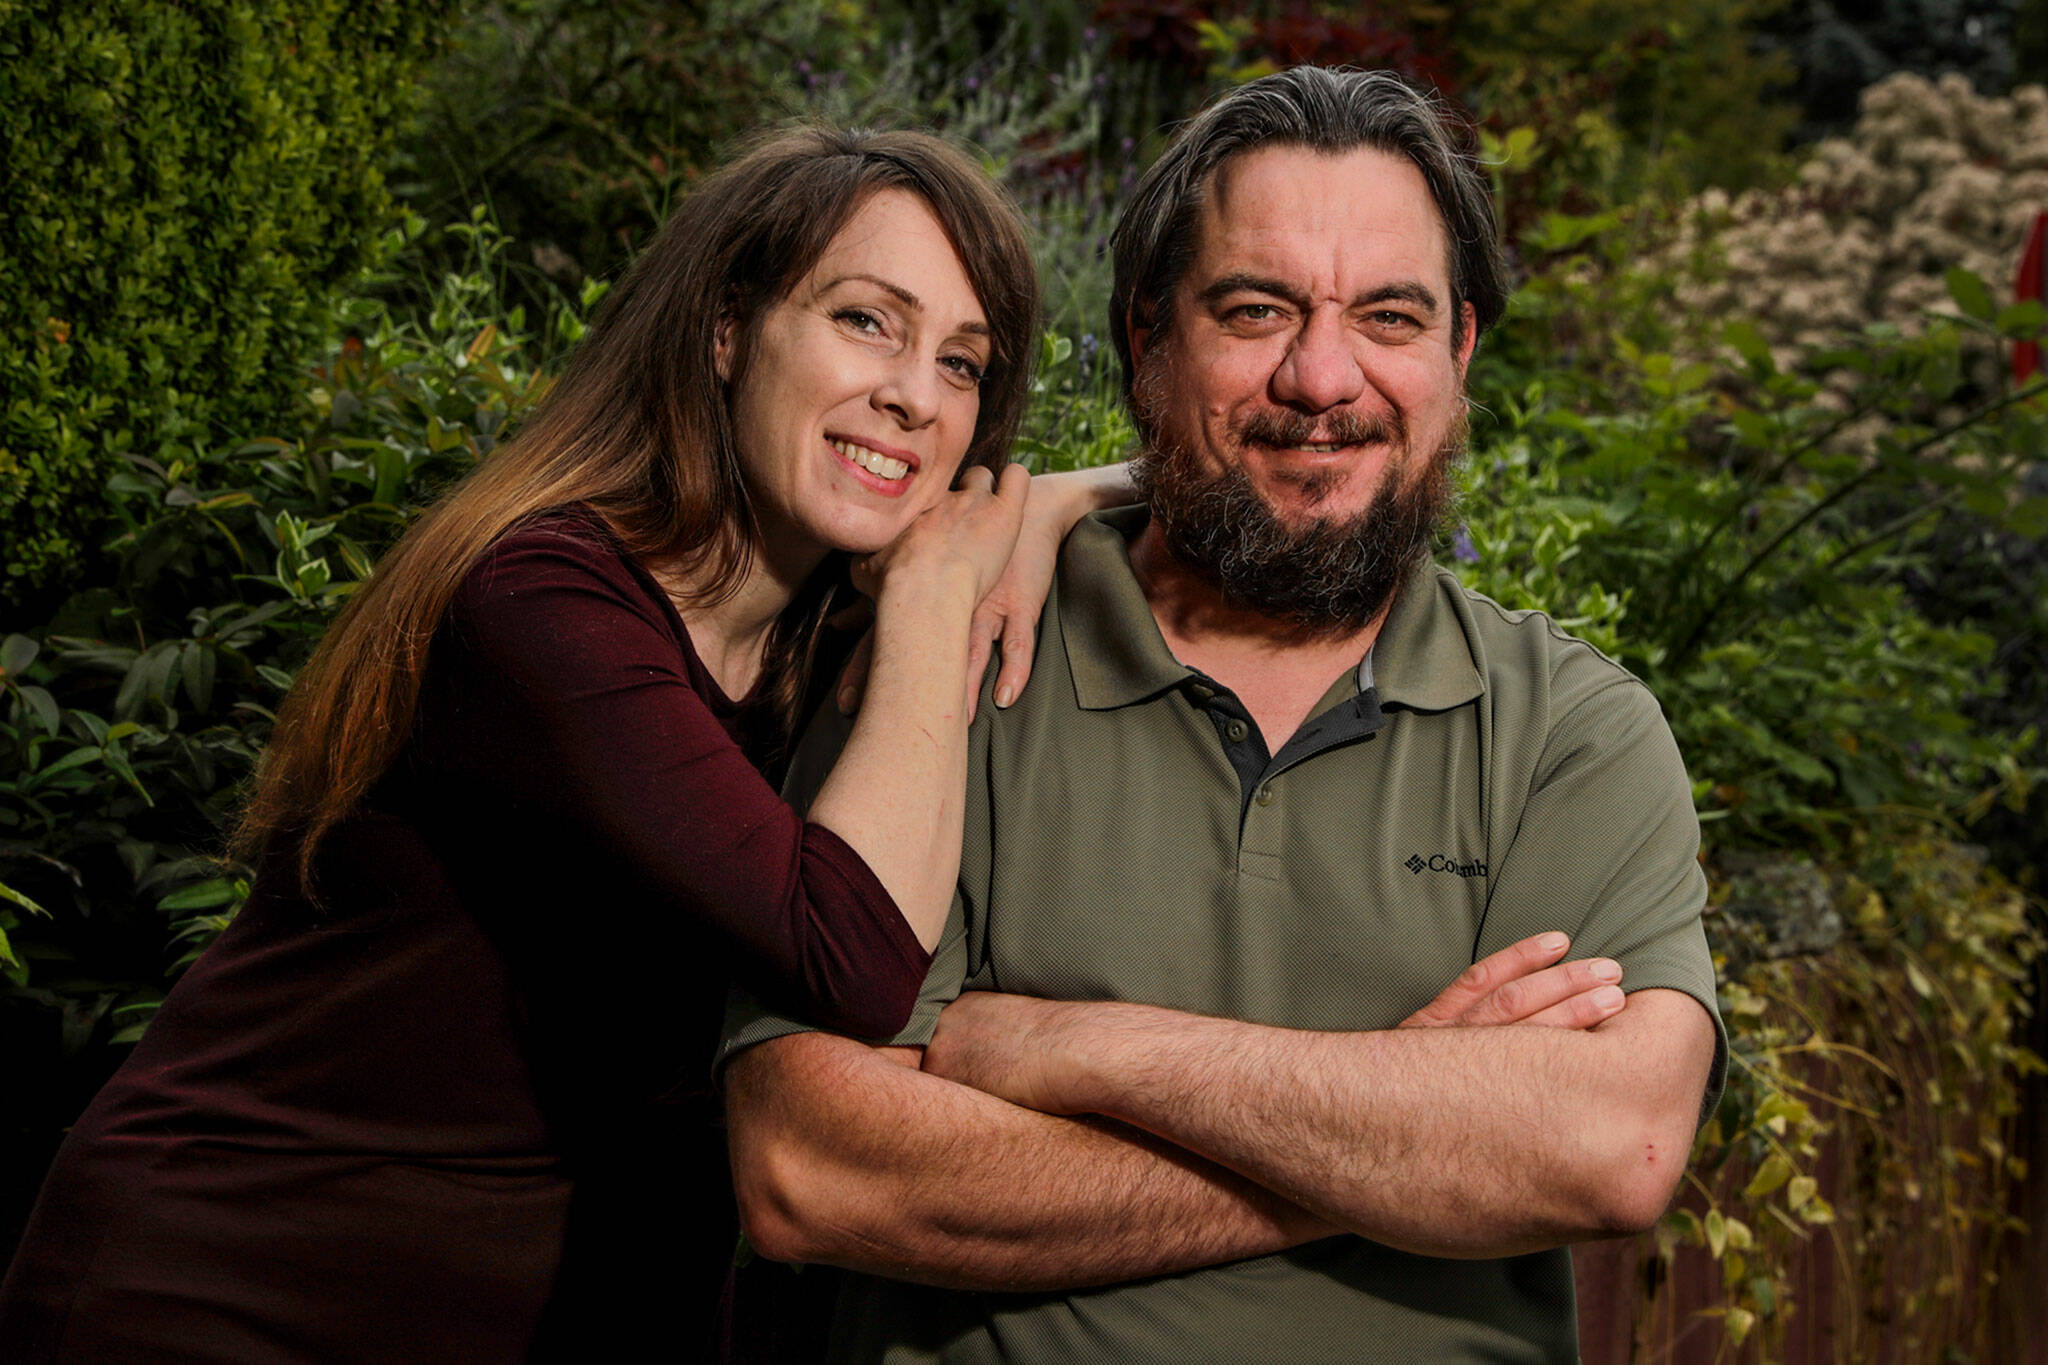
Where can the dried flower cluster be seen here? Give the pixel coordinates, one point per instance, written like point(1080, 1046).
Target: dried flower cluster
point(1934, 176)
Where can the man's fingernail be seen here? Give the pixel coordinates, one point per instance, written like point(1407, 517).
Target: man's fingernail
point(1608, 998)
point(1552, 943)
point(846, 700)
point(1605, 969)
point(1005, 695)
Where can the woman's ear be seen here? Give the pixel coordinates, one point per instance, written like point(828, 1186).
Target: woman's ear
point(721, 347)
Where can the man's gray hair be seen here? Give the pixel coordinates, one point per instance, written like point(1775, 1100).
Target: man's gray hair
point(1323, 110)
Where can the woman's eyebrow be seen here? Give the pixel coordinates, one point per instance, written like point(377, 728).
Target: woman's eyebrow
point(902, 296)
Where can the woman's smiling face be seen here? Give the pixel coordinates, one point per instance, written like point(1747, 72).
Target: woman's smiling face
point(859, 395)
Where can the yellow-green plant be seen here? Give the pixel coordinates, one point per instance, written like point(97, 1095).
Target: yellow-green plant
point(1895, 1056)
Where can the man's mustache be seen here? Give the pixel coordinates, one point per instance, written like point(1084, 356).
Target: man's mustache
point(1279, 427)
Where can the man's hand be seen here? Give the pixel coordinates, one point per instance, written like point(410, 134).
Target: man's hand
point(1022, 1049)
point(1518, 985)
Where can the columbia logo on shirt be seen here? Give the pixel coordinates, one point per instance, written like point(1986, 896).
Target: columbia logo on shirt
point(1438, 862)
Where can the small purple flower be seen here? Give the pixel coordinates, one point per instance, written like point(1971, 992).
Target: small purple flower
point(973, 83)
point(1462, 548)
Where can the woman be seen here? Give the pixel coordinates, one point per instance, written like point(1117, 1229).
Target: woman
point(439, 1092)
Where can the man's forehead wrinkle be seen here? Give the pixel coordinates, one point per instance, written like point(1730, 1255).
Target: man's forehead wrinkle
point(1242, 229)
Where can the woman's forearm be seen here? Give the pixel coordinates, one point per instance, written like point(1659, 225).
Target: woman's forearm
point(896, 794)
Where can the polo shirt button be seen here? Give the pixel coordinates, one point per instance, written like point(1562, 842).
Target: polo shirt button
point(1201, 693)
point(1265, 796)
point(1237, 730)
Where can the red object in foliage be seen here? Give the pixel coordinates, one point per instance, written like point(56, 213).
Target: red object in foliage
point(2032, 284)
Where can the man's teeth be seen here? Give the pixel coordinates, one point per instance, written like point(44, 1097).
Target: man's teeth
point(873, 461)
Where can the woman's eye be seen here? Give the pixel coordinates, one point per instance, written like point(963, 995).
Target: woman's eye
point(860, 319)
point(966, 367)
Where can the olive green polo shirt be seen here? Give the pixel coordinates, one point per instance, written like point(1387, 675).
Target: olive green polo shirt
point(1125, 841)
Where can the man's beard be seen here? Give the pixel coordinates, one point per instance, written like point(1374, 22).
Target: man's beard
point(1327, 576)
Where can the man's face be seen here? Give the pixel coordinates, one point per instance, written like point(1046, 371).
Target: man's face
point(1304, 404)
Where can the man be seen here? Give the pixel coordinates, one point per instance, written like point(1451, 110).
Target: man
point(1205, 884)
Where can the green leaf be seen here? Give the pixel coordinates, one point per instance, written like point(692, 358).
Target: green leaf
point(202, 895)
point(1717, 1233)
point(17, 652)
point(77, 758)
point(45, 708)
point(1971, 294)
point(2023, 320)
point(8, 893)
point(1801, 1190)
point(198, 673)
point(1739, 1322)
point(1775, 1171)
point(1749, 343)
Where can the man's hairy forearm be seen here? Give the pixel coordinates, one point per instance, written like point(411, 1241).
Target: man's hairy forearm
point(843, 1155)
point(1445, 1142)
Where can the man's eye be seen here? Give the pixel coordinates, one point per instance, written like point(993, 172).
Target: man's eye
point(1389, 320)
point(1256, 312)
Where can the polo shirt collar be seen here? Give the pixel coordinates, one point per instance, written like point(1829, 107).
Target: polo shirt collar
point(1117, 656)
point(1423, 659)
point(1114, 649)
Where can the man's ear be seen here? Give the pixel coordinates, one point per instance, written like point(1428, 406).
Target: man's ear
point(1139, 330)
point(722, 347)
point(1468, 339)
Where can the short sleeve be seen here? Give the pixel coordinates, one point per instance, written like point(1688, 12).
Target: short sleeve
point(1607, 849)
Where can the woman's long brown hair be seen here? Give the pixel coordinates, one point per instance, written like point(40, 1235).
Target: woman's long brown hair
point(639, 429)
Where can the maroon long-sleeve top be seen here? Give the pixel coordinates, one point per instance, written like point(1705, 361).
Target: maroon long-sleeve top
point(461, 1109)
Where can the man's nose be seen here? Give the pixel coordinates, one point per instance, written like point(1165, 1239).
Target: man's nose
point(1321, 369)
point(909, 392)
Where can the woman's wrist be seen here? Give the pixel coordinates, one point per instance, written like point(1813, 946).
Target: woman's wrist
point(943, 589)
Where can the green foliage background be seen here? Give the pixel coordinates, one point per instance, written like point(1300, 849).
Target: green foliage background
point(184, 184)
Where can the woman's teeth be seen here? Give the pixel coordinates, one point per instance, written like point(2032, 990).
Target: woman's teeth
point(874, 462)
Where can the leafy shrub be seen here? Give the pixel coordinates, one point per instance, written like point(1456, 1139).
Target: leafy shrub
point(185, 183)
point(1764, 600)
point(128, 724)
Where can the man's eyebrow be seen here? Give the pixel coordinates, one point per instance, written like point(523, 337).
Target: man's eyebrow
point(1406, 291)
point(1421, 295)
point(902, 296)
point(1243, 282)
